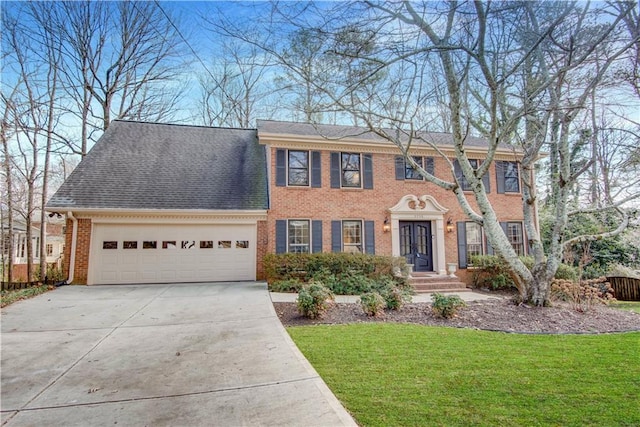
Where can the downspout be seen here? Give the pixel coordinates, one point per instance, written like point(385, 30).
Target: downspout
point(74, 244)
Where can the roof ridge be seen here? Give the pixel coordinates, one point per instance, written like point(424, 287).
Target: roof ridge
point(183, 125)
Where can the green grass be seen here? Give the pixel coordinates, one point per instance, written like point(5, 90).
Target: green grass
point(633, 306)
point(9, 297)
point(411, 375)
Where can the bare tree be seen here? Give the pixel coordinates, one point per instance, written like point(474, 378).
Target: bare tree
point(120, 60)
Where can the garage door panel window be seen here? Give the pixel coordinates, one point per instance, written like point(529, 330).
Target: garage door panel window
point(130, 244)
point(110, 245)
point(206, 244)
point(169, 244)
point(150, 244)
point(188, 244)
point(224, 244)
point(242, 244)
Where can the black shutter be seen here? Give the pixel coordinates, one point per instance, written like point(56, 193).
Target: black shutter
point(335, 170)
point(369, 237)
point(367, 161)
point(281, 236)
point(429, 165)
point(336, 236)
point(316, 169)
point(316, 236)
point(462, 245)
point(281, 168)
point(500, 177)
point(400, 174)
point(504, 227)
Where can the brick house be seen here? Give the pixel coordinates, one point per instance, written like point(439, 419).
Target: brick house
point(155, 203)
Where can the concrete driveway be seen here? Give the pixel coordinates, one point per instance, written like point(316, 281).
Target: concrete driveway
point(152, 355)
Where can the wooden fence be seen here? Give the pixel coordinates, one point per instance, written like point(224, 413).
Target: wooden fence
point(625, 288)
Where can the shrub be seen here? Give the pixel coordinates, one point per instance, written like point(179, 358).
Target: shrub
point(395, 297)
point(490, 271)
point(314, 299)
point(584, 295)
point(446, 306)
point(289, 285)
point(372, 303)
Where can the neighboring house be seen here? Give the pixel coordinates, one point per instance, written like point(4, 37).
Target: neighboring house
point(155, 203)
point(54, 247)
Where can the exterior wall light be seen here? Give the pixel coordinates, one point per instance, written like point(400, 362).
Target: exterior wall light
point(386, 227)
point(449, 226)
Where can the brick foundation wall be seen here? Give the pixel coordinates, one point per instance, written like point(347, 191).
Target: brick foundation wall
point(329, 204)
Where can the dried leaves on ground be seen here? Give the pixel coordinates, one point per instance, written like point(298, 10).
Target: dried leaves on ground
point(495, 314)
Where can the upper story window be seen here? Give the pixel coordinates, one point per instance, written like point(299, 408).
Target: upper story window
point(507, 177)
point(298, 166)
point(462, 180)
point(350, 169)
point(405, 171)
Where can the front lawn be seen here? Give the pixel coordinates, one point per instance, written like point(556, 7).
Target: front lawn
point(399, 374)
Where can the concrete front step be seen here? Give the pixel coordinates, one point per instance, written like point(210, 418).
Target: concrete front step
point(422, 282)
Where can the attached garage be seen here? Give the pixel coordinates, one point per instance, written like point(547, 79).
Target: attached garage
point(162, 203)
point(172, 253)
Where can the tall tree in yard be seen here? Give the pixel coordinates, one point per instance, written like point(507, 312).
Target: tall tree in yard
point(519, 74)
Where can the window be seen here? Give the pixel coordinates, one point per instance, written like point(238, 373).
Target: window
point(206, 244)
point(410, 172)
point(508, 177)
point(471, 242)
point(110, 245)
point(169, 244)
point(404, 171)
point(460, 176)
point(188, 244)
point(352, 236)
point(242, 244)
point(130, 244)
point(150, 244)
point(474, 240)
point(298, 163)
point(224, 244)
point(49, 249)
point(299, 236)
point(350, 167)
point(515, 236)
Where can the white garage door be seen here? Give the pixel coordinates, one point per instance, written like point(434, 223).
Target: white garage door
point(130, 253)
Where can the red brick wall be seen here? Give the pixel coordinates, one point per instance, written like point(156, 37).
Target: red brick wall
point(262, 245)
point(328, 204)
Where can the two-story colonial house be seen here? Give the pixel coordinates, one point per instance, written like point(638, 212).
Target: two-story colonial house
point(157, 203)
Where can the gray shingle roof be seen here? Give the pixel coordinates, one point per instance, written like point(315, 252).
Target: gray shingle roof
point(358, 133)
point(159, 166)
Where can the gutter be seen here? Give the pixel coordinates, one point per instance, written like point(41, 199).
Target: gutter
point(74, 244)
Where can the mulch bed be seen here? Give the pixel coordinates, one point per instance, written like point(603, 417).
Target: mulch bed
point(495, 315)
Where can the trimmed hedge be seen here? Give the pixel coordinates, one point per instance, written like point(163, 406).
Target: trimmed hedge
point(304, 267)
point(490, 271)
point(342, 273)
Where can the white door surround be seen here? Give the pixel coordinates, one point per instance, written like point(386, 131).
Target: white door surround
point(422, 208)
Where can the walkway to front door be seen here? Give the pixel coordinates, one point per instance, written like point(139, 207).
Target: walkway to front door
point(415, 244)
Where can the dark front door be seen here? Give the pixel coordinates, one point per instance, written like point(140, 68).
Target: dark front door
point(415, 244)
